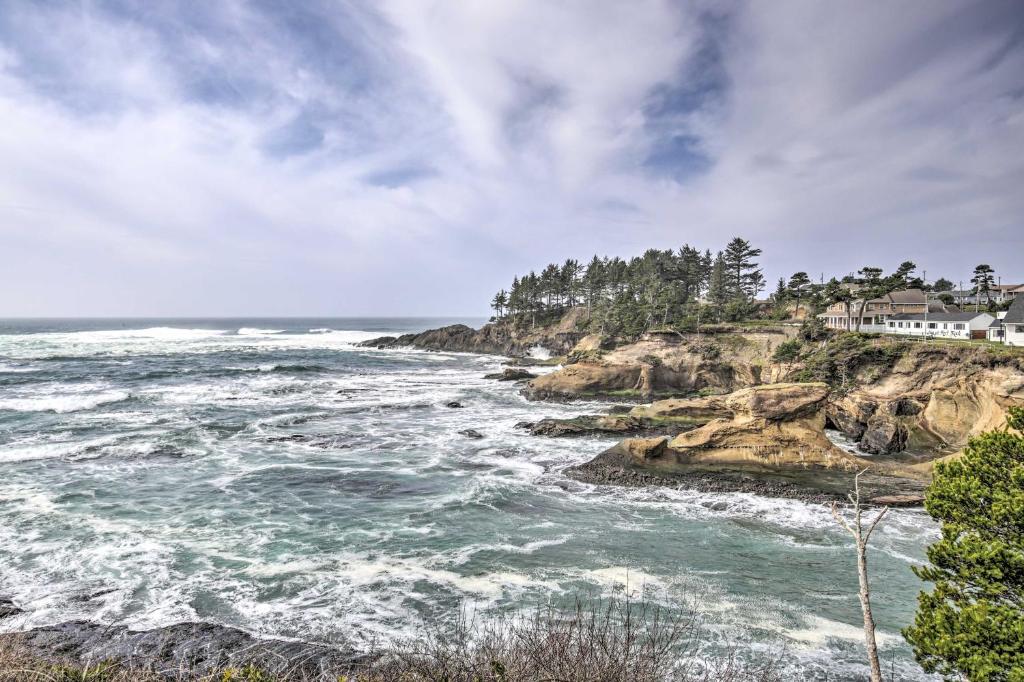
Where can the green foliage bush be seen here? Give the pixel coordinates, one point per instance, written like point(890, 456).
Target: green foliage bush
point(972, 623)
point(787, 351)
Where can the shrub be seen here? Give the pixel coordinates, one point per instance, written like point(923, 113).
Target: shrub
point(971, 624)
point(787, 351)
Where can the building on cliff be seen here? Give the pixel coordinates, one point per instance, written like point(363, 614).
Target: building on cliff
point(941, 325)
point(1009, 327)
point(877, 311)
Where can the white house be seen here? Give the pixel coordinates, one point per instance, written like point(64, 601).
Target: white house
point(996, 330)
point(969, 325)
point(1013, 323)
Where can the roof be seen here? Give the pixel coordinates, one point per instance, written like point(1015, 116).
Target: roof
point(1015, 315)
point(904, 296)
point(996, 323)
point(939, 317)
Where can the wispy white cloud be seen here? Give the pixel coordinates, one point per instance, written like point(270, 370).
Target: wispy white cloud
point(409, 157)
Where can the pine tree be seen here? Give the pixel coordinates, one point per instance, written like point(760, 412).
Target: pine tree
point(983, 280)
point(797, 283)
point(741, 268)
point(971, 624)
point(718, 285)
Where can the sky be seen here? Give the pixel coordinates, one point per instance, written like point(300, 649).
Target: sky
point(409, 157)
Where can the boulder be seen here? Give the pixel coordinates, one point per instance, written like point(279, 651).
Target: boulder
point(883, 434)
point(645, 449)
point(471, 433)
point(511, 374)
point(454, 404)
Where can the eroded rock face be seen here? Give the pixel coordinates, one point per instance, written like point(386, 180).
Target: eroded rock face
point(932, 400)
point(584, 379)
point(883, 434)
point(772, 427)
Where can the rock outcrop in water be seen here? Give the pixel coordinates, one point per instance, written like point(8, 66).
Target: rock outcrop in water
point(505, 337)
point(772, 435)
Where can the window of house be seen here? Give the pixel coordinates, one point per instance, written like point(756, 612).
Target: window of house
point(901, 325)
point(945, 325)
point(958, 325)
point(892, 325)
point(917, 325)
point(932, 325)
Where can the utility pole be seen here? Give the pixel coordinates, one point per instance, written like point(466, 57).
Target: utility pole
point(924, 285)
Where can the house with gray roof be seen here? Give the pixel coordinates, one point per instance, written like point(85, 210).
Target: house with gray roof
point(945, 325)
point(1013, 323)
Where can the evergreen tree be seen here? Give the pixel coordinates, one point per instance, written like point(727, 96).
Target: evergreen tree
point(942, 284)
point(797, 284)
point(499, 302)
point(719, 285)
point(781, 292)
point(741, 268)
point(983, 280)
point(903, 273)
point(972, 623)
point(873, 287)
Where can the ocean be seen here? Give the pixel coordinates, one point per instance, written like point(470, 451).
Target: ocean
point(270, 475)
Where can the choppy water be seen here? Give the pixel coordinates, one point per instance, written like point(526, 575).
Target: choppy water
point(269, 475)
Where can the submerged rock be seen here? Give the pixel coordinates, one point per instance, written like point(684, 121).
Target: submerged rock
point(471, 433)
point(8, 609)
point(454, 404)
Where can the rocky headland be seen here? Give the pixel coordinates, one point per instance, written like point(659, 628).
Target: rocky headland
point(748, 407)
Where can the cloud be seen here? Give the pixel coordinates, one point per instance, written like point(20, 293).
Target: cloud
point(409, 157)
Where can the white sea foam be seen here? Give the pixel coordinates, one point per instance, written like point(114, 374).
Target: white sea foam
point(254, 331)
point(72, 402)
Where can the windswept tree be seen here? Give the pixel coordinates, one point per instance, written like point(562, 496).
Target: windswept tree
point(873, 286)
point(903, 274)
point(797, 286)
point(983, 280)
point(942, 284)
point(971, 625)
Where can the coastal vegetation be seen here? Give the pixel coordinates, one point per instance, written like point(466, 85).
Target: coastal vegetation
point(971, 624)
point(686, 287)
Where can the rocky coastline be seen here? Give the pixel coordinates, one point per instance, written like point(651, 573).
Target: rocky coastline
point(903, 405)
point(195, 649)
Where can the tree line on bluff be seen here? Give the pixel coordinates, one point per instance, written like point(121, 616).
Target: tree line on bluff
point(682, 288)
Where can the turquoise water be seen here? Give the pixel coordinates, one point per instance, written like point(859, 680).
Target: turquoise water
point(268, 474)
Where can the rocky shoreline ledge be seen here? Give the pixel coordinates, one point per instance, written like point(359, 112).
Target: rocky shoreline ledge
point(193, 648)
